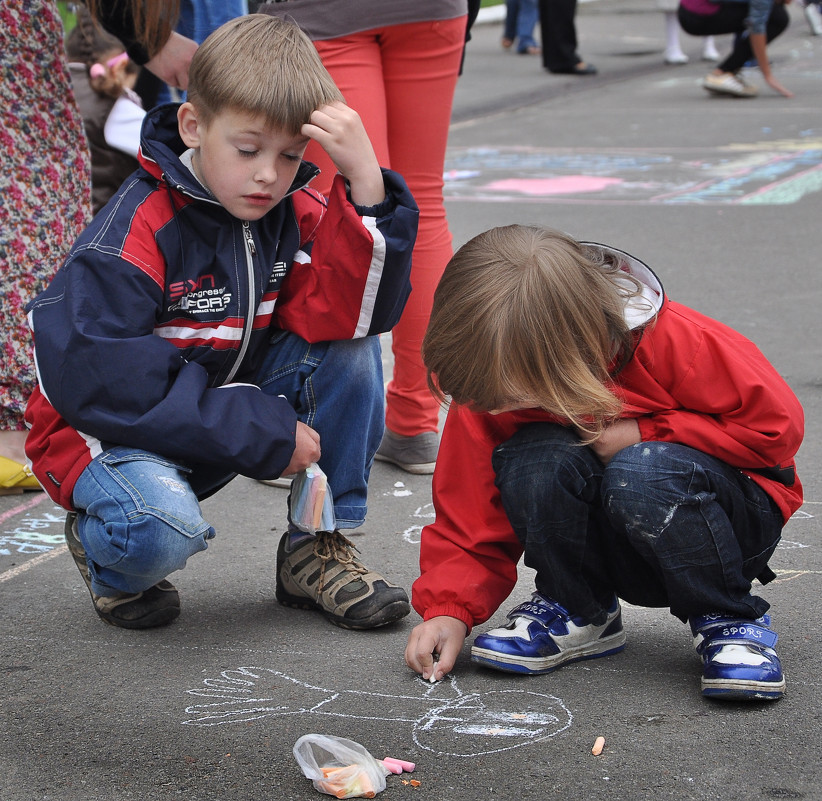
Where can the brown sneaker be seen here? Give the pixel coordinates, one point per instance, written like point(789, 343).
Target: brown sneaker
point(322, 573)
point(156, 606)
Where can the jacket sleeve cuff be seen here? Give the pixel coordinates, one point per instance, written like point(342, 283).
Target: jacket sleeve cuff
point(450, 610)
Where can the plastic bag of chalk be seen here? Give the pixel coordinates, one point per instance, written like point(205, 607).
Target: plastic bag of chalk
point(339, 767)
point(311, 506)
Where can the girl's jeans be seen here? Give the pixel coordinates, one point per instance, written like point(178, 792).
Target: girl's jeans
point(139, 518)
point(660, 525)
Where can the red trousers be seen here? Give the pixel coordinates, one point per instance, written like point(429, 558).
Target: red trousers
point(401, 81)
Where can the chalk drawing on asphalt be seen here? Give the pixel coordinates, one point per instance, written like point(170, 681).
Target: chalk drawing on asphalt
point(763, 173)
point(443, 718)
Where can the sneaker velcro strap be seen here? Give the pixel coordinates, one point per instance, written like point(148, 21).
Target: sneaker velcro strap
point(540, 611)
point(738, 633)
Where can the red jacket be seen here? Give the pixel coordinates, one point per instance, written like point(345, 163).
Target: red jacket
point(692, 380)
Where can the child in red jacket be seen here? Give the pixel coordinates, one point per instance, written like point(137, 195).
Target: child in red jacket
point(627, 445)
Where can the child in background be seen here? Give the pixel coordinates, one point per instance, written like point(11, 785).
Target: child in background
point(673, 46)
point(521, 17)
point(103, 78)
point(220, 318)
point(629, 446)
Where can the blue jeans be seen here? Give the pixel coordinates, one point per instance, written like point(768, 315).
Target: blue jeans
point(139, 518)
point(660, 525)
point(520, 20)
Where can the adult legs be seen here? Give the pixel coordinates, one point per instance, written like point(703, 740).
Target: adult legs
point(559, 35)
point(401, 80)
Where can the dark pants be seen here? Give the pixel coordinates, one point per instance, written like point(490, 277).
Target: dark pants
point(559, 34)
point(731, 19)
point(661, 525)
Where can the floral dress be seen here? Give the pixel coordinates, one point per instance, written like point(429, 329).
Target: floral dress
point(44, 181)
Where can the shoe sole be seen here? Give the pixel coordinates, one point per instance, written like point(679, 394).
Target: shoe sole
point(538, 665)
point(725, 93)
point(729, 690)
point(419, 469)
point(390, 613)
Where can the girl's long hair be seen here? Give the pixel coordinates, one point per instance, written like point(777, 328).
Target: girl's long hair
point(529, 316)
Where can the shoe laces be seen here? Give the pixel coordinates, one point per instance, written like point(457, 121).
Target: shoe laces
point(333, 546)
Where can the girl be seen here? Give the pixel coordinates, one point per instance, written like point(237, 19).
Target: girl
point(629, 446)
point(104, 77)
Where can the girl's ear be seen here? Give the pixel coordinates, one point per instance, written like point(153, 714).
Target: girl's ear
point(188, 125)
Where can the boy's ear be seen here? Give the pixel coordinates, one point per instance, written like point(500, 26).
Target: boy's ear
point(188, 125)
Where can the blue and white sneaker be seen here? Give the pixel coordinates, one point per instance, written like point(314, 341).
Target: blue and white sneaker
point(739, 662)
point(542, 636)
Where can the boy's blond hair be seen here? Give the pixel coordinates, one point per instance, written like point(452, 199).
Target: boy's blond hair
point(260, 65)
point(528, 315)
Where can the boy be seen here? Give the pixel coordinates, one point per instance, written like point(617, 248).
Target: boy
point(629, 446)
point(219, 317)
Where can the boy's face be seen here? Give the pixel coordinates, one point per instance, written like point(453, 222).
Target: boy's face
point(247, 165)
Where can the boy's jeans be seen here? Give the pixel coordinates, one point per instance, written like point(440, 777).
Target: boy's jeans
point(138, 517)
point(661, 525)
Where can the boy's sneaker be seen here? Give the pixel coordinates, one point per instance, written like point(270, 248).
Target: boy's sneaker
point(417, 454)
point(738, 658)
point(323, 573)
point(728, 84)
point(153, 607)
point(543, 636)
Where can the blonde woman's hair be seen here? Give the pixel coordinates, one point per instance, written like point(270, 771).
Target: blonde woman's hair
point(528, 315)
point(263, 65)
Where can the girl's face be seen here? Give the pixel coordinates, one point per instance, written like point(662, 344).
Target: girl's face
point(246, 164)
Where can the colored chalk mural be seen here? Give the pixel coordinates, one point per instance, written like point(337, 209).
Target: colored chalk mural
point(770, 173)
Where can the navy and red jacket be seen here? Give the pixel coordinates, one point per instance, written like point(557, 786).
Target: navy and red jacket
point(152, 332)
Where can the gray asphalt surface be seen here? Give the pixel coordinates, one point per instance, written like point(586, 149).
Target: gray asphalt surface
point(722, 198)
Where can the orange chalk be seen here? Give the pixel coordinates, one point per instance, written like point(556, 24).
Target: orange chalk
point(599, 744)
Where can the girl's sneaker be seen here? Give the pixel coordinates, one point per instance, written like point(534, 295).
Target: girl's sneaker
point(738, 658)
point(542, 636)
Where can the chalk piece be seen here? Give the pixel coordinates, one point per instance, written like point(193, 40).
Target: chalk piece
point(433, 677)
point(599, 744)
point(392, 763)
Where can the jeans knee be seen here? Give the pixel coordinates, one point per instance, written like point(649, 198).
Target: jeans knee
point(360, 361)
point(538, 459)
point(144, 546)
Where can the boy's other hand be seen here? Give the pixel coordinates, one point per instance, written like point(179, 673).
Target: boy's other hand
point(338, 129)
point(306, 450)
point(443, 636)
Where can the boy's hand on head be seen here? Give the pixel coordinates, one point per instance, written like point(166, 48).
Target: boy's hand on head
point(338, 129)
point(306, 450)
point(443, 636)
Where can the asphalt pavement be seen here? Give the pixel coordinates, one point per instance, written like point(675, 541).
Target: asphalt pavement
point(723, 198)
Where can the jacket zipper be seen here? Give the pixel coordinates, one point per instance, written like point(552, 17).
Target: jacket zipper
point(250, 252)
